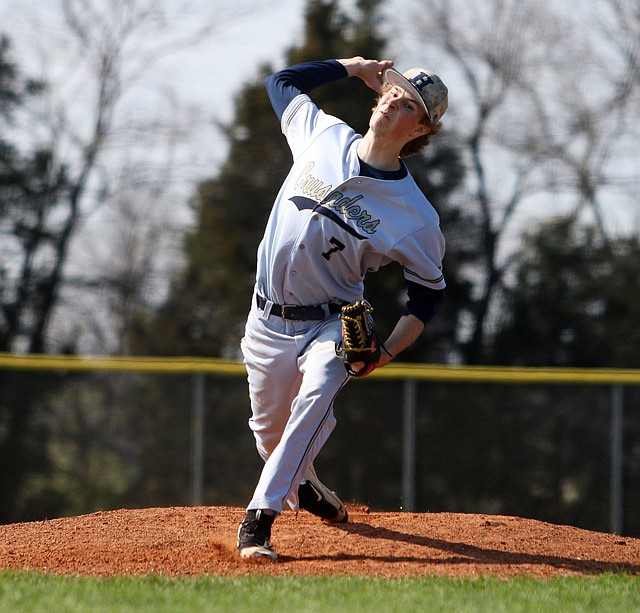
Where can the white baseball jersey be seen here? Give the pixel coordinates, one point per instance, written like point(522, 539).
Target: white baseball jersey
point(329, 226)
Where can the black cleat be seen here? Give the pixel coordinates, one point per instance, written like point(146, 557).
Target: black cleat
point(254, 534)
point(317, 498)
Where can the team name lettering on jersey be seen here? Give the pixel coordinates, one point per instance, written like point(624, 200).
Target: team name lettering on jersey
point(325, 195)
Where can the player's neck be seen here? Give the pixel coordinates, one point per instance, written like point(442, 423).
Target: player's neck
point(378, 154)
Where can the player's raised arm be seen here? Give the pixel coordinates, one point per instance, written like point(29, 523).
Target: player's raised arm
point(283, 86)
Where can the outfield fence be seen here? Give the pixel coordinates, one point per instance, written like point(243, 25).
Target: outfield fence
point(409, 374)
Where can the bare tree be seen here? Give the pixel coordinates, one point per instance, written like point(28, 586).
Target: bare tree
point(528, 119)
point(494, 106)
point(597, 153)
point(119, 161)
point(82, 173)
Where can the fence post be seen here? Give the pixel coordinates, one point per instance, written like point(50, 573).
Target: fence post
point(409, 447)
point(197, 440)
point(617, 459)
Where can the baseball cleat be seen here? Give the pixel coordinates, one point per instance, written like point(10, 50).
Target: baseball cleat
point(317, 498)
point(253, 536)
point(258, 552)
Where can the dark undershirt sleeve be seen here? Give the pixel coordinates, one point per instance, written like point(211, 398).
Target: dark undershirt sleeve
point(283, 86)
point(423, 301)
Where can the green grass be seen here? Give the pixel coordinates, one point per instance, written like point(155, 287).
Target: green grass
point(34, 592)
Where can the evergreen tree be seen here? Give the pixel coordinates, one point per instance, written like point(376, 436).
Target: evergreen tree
point(574, 301)
point(209, 300)
point(29, 185)
point(542, 451)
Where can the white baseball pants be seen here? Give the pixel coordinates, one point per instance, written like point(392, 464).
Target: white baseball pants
point(294, 376)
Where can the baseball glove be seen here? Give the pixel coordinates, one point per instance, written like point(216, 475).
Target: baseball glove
point(360, 343)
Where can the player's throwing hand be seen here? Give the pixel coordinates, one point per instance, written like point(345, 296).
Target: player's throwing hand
point(370, 71)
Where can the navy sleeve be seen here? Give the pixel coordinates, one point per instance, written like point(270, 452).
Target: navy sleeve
point(423, 301)
point(285, 85)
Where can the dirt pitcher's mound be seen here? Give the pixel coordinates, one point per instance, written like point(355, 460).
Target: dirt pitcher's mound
point(201, 540)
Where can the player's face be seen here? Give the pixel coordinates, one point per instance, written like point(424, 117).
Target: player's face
point(398, 115)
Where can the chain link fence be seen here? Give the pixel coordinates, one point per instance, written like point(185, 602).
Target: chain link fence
point(559, 445)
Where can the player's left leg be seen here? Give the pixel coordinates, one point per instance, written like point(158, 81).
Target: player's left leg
point(310, 423)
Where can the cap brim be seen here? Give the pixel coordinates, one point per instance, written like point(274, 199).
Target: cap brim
point(392, 76)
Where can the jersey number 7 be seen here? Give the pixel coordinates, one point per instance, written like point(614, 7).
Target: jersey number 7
point(337, 246)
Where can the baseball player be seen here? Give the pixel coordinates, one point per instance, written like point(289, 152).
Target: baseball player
point(347, 207)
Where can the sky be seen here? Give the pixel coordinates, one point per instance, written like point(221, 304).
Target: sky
point(260, 31)
point(205, 76)
point(209, 74)
point(199, 83)
point(231, 56)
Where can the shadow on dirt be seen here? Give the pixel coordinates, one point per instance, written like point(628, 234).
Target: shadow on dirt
point(463, 553)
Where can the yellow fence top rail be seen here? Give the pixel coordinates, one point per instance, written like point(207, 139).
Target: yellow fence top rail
point(166, 365)
point(424, 372)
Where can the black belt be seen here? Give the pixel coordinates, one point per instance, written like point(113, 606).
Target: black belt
point(293, 312)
